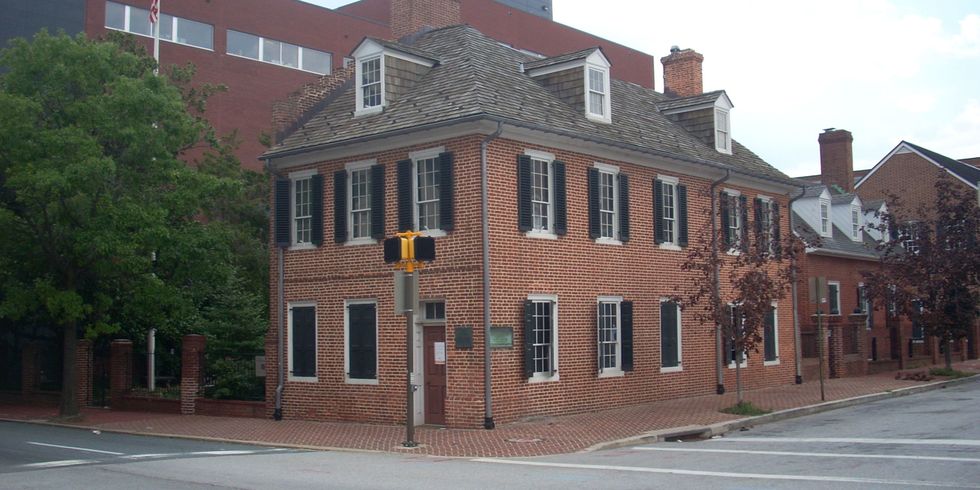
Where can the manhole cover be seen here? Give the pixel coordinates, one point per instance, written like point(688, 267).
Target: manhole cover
point(524, 440)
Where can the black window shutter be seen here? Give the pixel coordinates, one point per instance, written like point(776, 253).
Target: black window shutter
point(524, 193)
point(682, 215)
point(528, 338)
point(282, 213)
point(363, 341)
point(303, 342)
point(340, 206)
point(743, 229)
point(446, 192)
point(769, 335)
point(658, 210)
point(593, 182)
point(668, 334)
point(377, 202)
point(406, 215)
point(316, 208)
point(777, 237)
point(624, 207)
point(724, 202)
point(561, 203)
point(626, 334)
point(757, 210)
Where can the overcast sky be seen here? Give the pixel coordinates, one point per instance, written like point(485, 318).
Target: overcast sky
point(886, 70)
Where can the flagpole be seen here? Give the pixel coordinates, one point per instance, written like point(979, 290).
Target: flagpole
point(156, 38)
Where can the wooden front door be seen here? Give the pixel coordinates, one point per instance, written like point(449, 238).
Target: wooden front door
point(435, 374)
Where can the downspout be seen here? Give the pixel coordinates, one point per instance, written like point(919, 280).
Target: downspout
point(280, 294)
point(719, 375)
point(796, 303)
point(485, 214)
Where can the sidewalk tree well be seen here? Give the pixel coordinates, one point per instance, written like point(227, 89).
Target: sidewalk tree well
point(929, 269)
point(105, 228)
point(736, 283)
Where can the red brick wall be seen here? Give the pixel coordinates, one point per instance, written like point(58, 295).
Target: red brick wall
point(83, 373)
point(573, 267)
point(837, 159)
point(411, 16)
point(682, 73)
point(191, 352)
point(909, 176)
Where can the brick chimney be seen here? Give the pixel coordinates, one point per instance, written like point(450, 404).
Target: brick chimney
point(682, 72)
point(836, 159)
point(295, 110)
point(411, 16)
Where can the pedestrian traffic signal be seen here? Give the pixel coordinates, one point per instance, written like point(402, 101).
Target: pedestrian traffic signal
point(409, 246)
point(424, 249)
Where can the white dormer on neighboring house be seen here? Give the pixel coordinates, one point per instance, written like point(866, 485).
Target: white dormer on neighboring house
point(706, 116)
point(379, 62)
point(580, 79)
point(847, 215)
point(872, 219)
point(816, 210)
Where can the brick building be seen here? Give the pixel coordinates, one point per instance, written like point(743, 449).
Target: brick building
point(562, 201)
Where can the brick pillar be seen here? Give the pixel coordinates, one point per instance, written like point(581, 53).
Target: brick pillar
point(835, 350)
point(83, 370)
point(120, 370)
point(28, 369)
point(191, 357)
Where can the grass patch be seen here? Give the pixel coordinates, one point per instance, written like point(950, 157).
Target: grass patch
point(745, 408)
point(950, 373)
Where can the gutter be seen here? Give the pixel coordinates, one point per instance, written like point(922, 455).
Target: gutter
point(280, 292)
point(719, 355)
point(485, 214)
point(796, 304)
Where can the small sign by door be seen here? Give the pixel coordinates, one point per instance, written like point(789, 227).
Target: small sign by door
point(440, 352)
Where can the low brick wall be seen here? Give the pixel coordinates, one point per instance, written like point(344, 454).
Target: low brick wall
point(136, 403)
point(230, 408)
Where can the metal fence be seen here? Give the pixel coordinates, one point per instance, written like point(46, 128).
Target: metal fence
point(234, 376)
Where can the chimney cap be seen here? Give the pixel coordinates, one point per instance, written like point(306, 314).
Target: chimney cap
point(675, 49)
point(827, 130)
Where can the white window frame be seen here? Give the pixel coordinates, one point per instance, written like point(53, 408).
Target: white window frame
point(865, 304)
point(361, 110)
point(424, 313)
point(745, 354)
point(775, 337)
point(553, 375)
point(301, 50)
point(605, 116)
point(316, 337)
point(826, 226)
point(855, 222)
point(364, 165)
point(673, 182)
point(617, 369)
point(909, 235)
point(293, 178)
point(839, 306)
point(723, 130)
point(613, 172)
point(377, 342)
point(680, 350)
point(549, 232)
point(416, 156)
point(173, 27)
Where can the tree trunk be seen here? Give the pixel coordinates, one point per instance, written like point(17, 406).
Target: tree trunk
point(738, 376)
point(948, 353)
point(69, 383)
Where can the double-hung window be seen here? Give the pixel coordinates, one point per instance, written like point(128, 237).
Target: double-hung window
point(305, 206)
point(824, 217)
point(608, 204)
point(734, 215)
point(541, 337)
point(670, 212)
point(541, 194)
point(598, 81)
point(359, 203)
point(361, 338)
point(425, 192)
point(770, 339)
point(670, 336)
point(910, 237)
point(737, 330)
point(767, 226)
point(723, 138)
point(371, 93)
point(833, 298)
point(614, 320)
point(855, 223)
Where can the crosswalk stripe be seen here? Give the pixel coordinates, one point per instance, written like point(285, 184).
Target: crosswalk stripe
point(58, 464)
point(855, 440)
point(808, 455)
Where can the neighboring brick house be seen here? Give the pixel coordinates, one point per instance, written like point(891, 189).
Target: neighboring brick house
point(574, 195)
point(910, 171)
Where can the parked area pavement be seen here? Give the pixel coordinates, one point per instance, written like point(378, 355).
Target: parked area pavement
point(535, 437)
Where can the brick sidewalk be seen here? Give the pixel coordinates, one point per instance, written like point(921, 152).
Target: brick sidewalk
point(537, 437)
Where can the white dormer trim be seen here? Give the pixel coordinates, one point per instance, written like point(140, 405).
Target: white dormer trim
point(598, 64)
point(825, 218)
point(723, 124)
point(369, 50)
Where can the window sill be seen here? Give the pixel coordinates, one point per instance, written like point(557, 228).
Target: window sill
point(744, 364)
point(302, 246)
point(670, 246)
point(672, 369)
point(540, 234)
point(771, 363)
point(360, 241)
point(599, 118)
point(434, 233)
point(543, 378)
point(360, 381)
point(302, 379)
point(608, 241)
point(611, 373)
point(734, 252)
point(369, 111)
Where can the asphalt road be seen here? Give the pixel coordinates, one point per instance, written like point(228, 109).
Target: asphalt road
point(928, 440)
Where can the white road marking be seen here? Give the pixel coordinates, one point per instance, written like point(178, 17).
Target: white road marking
point(58, 464)
point(220, 453)
point(76, 448)
point(855, 440)
point(727, 474)
point(143, 456)
point(818, 455)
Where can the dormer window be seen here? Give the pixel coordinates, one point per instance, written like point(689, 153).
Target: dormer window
point(855, 222)
point(723, 130)
point(371, 94)
point(372, 59)
point(825, 217)
point(597, 106)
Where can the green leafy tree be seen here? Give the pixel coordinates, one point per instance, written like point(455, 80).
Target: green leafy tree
point(930, 263)
point(105, 228)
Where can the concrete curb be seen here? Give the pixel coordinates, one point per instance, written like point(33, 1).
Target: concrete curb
point(721, 428)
